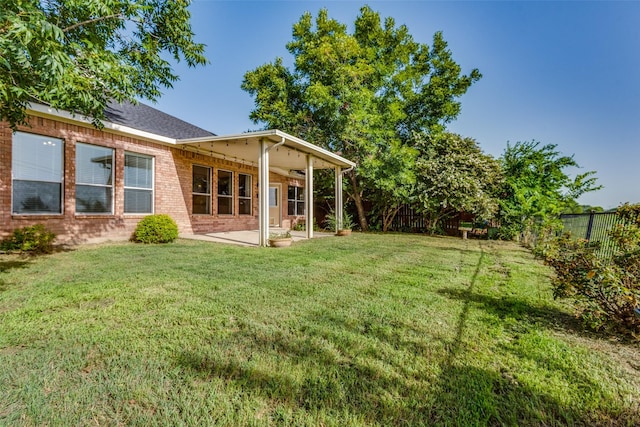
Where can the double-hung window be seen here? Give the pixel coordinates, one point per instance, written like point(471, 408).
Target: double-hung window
point(37, 172)
point(94, 179)
point(201, 184)
point(225, 192)
point(244, 194)
point(138, 184)
point(295, 200)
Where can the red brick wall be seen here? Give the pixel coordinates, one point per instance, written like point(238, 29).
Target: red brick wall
point(288, 221)
point(172, 189)
point(184, 161)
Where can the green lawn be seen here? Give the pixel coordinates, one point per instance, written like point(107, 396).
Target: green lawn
point(365, 330)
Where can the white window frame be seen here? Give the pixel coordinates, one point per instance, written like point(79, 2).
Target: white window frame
point(226, 196)
point(112, 186)
point(296, 201)
point(209, 194)
point(46, 139)
point(246, 198)
point(153, 183)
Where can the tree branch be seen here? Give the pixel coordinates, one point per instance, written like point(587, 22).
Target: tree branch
point(91, 21)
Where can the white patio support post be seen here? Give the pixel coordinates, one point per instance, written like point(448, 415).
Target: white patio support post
point(339, 204)
point(308, 196)
point(263, 194)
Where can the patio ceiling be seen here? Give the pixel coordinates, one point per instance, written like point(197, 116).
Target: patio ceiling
point(245, 148)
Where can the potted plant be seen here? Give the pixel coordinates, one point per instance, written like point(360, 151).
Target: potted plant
point(345, 228)
point(280, 240)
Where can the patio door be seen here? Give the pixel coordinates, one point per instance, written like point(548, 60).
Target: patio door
point(275, 202)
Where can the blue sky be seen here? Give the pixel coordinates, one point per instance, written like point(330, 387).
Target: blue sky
point(565, 73)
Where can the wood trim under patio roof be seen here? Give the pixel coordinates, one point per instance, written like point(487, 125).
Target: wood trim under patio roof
point(291, 156)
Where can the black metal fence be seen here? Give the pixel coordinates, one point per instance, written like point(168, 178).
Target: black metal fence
point(595, 227)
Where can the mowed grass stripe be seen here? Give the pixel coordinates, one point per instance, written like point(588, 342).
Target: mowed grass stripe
point(367, 330)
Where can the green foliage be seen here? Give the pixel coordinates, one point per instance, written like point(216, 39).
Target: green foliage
point(331, 221)
point(78, 54)
point(454, 175)
point(537, 188)
point(361, 94)
point(302, 225)
point(34, 238)
point(280, 235)
point(574, 208)
point(606, 291)
point(159, 228)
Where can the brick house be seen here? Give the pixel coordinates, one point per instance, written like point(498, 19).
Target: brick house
point(87, 184)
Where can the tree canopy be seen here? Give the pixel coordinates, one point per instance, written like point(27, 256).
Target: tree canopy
point(538, 187)
point(75, 55)
point(361, 94)
point(454, 175)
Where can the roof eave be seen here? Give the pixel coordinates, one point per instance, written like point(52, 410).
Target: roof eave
point(46, 111)
point(295, 142)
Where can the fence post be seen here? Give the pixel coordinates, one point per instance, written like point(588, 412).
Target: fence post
point(590, 225)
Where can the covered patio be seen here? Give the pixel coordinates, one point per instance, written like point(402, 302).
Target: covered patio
point(281, 153)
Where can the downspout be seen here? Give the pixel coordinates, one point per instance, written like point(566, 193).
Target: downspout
point(339, 204)
point(282, 140)
point(308, 196)
point(263, 193)
point(347, 170)
point(277, 144)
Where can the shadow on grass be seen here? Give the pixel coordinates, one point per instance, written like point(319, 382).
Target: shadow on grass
point(467, 395)
point(518, 309)
point(7, 263)
point(362, 388)
point(372, 369)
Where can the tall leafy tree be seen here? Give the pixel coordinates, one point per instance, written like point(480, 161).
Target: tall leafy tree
point(361, 94)
point(76, 55)
point(538, 187)
point(454, 175)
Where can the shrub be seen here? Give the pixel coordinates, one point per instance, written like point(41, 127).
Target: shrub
point(302, 225)
point(331, 221)
point(606, 291)
point(34, 238)
point(280, 235)
point(159, 228)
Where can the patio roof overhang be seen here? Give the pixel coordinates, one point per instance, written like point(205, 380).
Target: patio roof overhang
point(275, 151)
point(285, 158)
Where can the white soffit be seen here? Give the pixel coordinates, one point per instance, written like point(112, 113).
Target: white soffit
point(245, 148)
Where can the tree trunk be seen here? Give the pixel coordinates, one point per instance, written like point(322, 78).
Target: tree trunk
point(435, 219)
point(388, 216)
point(357, 198)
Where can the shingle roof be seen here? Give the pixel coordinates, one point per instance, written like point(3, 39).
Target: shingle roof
point(148, 119)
